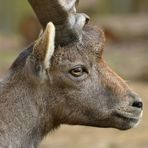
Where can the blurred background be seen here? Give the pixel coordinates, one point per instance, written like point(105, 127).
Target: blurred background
point(125, 23)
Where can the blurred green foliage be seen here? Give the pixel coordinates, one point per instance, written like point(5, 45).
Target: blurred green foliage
point(122, 6)
point(12, 11)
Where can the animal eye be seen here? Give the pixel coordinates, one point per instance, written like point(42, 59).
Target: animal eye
point(77, 71)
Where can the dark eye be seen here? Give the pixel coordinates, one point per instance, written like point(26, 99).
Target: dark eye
point(78, 71)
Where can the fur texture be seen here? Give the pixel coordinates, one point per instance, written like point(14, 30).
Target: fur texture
point(77, 88)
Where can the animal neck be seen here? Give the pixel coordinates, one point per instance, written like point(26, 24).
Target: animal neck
point(27, 117)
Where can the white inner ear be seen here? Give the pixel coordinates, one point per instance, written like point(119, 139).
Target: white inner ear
point(51, 44)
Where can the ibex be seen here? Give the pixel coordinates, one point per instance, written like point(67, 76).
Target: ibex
point(62, 78)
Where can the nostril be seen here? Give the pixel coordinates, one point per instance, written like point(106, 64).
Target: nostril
point(137, 104)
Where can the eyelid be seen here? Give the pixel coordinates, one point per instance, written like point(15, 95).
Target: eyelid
point(81, 66)
point(84, 70)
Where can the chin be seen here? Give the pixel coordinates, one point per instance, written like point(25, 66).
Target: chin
point(126, 121)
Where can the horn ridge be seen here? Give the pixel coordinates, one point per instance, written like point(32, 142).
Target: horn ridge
point(69, 24)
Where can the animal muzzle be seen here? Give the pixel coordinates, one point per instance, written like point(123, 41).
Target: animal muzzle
point(129, 112)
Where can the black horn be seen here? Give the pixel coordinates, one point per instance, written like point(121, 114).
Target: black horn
point(69, 24)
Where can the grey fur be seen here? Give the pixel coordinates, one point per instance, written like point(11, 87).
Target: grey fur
point(29, 108)
point(35, 99)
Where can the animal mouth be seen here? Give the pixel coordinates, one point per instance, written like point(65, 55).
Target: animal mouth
point(129, 117)
point(126, 116)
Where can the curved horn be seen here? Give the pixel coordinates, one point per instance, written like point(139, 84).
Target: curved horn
point(62, 13)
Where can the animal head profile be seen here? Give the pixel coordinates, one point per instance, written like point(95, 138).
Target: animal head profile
point(62, 78)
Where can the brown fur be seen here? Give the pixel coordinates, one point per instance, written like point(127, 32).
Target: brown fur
point(34, 100)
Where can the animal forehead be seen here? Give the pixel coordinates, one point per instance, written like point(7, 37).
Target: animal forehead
point(92, 43)
point(94, 37)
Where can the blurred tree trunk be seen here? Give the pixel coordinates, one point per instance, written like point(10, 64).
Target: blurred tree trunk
point(141, 5)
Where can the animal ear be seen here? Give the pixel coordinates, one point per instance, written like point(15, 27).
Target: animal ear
point(44, 46)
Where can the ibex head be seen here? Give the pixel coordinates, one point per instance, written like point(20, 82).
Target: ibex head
point(79, 87)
